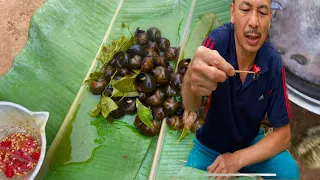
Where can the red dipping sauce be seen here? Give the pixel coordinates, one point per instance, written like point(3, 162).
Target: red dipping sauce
point(19, 153)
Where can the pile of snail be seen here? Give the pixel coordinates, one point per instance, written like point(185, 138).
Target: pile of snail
point(156, 82)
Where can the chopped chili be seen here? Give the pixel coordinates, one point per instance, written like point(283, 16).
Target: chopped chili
point(19, 153)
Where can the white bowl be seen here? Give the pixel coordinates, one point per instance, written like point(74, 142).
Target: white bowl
point(15, 118)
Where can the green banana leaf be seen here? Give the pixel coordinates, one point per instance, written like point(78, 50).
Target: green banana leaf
point(173, 153)
point(145, 167)
point(64, 38)
point(84, 159)
point(114, 150)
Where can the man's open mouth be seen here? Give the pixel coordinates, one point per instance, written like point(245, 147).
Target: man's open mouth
point(252, 39)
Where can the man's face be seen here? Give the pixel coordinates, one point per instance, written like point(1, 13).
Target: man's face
point(251, 19)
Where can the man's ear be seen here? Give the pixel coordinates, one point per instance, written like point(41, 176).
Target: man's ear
point(232, 13)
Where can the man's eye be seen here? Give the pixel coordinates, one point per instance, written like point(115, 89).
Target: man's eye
point(263, 13)
point(245, 10)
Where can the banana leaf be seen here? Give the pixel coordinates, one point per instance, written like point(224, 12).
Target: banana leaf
point(119, 148)
point(145, 167)
point(64, 38)
point(173, 154)
point(114, 150)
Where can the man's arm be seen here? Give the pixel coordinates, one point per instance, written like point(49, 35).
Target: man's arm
point(266, 148)
point(190, 101)
point(205, 71)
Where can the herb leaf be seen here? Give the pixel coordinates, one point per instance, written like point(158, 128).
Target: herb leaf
point(128, 44)
point(184, 133)
point(125, 84)
point(136, 71)
point(108, 51)
point(144, 113)
point(107, 106)
point(95, 75)
point(117, 93)
point(96, 111)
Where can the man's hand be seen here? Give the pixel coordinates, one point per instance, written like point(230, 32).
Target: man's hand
point(206, 70)
point(225, 163)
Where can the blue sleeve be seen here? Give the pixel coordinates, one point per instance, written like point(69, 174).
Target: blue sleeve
point(218, 39)
point(279, 108)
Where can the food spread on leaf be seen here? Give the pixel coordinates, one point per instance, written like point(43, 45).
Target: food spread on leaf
point(136, 77)
point(19, 153)
point(257, 71)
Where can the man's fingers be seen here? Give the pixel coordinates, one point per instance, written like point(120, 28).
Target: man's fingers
point(215, 74)
point(218, 170)
point(219, 62)
point(213, 58)
point(213, 166)
point(200, 91)
point(201, 80)
point(212, 73)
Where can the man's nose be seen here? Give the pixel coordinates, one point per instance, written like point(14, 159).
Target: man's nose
point(254, 20)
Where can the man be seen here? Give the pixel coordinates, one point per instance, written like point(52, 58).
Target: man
point(231, 140)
